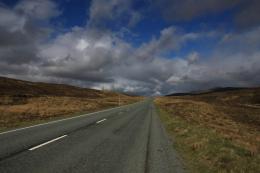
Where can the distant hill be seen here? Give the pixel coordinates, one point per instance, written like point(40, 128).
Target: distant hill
point(23, 102)
point(213, 90)
point(14, 87)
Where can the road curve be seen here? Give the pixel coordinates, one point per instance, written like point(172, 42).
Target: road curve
point(128, 139)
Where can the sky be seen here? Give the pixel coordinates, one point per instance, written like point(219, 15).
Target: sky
point(147, 47)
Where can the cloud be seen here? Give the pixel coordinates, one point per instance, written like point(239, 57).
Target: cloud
point(90, 56)
point(10, 20)
point(247, 41)
point(249, 15)
point(135, 17)
point(189, 9)
point(79, 55)
point(37, 9)
point(234, 62)
point(21, 34)
point(170, 39)
point(110, 61)
point(193, 57)
point(102, 12)
point(245, 12)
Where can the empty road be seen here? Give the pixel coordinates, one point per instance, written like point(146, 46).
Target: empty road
point(128, 139)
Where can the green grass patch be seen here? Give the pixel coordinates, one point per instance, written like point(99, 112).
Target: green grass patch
point(205, 151)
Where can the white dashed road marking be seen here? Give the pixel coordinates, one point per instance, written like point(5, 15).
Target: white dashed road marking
point(100, 121)
point(45, 143)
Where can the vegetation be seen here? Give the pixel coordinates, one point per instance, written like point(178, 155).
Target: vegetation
point(215, 132)
point(24, 103)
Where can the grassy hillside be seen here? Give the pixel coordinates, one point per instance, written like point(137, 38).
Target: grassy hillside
point(23, 103)
point(14, 87)
point(216, 131)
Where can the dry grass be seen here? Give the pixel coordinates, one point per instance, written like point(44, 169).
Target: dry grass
point(16, 113)
point(201, 122)
point(23, 102)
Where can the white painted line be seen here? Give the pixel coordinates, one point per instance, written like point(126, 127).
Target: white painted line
point(100, 121)
point(23, 128)
point(45, 143)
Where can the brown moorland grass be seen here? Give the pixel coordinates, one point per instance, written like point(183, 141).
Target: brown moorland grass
point(24, 103)
point(216, 132)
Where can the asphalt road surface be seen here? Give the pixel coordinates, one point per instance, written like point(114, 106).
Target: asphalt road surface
point(128, 139)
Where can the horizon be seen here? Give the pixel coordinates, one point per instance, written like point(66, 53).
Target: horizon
point(139, 47)
point(133, 94)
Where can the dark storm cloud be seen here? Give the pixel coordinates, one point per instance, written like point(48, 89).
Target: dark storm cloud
point(37, 9)
point(18, 54)
point(186, 10)
point(249, 14)
point(81, 75)
point(103, 12)
point(21, 34)
point(246, 12)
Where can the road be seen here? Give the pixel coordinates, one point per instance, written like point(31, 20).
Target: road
point(128, 139)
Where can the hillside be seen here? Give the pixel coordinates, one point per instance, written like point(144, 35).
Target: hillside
point(212, 90)
point(14, 87)
point(24, 102)
point(217, 130)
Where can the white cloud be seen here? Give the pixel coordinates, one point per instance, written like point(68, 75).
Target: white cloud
point(82, 44)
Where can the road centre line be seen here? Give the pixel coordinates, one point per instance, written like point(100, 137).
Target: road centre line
point(55, 121)
point(100, 121)
point(48, 142)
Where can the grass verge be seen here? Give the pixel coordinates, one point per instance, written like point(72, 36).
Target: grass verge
point(27, 123)
point(205, 151)
point(44, 109)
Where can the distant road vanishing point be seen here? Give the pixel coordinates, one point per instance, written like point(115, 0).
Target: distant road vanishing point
point(127, 139)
